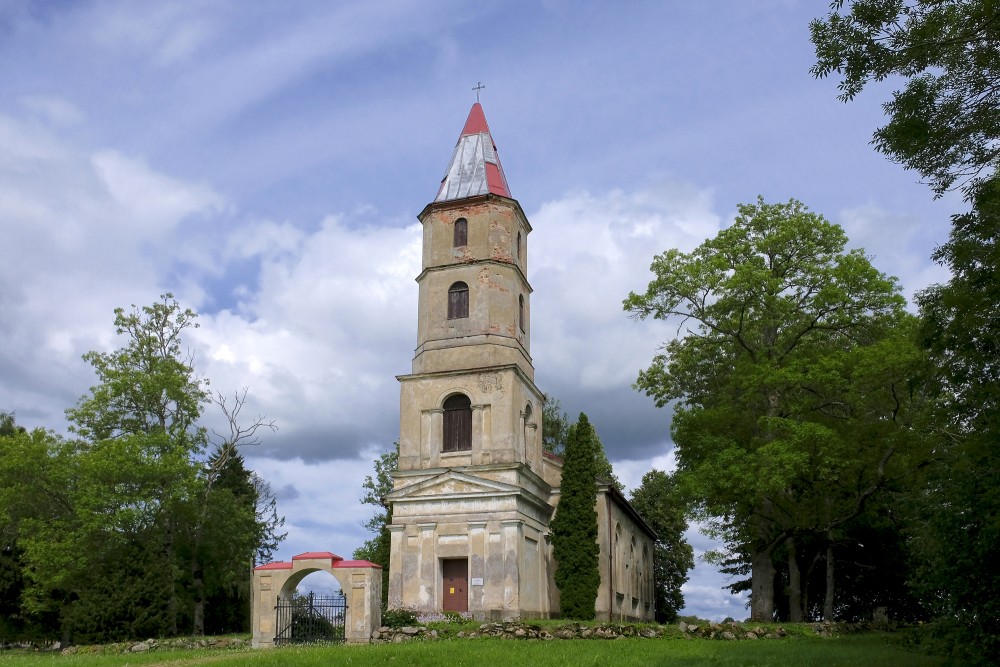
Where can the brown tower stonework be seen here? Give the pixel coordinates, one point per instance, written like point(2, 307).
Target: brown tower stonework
point(474, 493)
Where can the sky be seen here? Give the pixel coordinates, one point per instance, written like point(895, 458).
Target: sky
point(265, 163)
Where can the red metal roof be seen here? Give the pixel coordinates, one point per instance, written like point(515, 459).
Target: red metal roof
point(317, 555)
point(357, 563)
point(275, 566)
point(476, 121)
point(475, 167)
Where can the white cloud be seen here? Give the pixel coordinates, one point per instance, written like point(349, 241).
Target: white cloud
point(151, 201)
point(320, 500)
point(198, 148)
point(83, 234)
point(898, 244)
point(56, 110)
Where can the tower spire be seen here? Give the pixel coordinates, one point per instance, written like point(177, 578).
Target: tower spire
point(475, 165)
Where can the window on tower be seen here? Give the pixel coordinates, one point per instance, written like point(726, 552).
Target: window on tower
point(457, 423)
point(461, 232)
point(458, 301)
point(520, 311)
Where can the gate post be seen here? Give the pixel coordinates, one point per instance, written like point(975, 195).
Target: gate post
point(268, 581)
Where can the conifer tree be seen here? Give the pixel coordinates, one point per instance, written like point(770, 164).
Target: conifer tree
point(574, 529)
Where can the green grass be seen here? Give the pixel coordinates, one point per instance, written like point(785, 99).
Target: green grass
point(854, 650)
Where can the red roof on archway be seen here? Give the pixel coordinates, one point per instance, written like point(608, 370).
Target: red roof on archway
point(317, 555)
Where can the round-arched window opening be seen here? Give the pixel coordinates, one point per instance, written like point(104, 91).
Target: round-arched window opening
point(461, 233)
point(458, 301)
point(457, 424)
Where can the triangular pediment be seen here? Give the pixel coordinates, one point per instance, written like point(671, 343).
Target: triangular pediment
point(452, 483)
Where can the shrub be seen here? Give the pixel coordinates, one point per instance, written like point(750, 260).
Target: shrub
point(397, 618)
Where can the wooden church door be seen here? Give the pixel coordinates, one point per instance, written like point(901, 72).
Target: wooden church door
point(455, 575)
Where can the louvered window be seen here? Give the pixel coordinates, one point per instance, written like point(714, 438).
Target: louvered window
point(461, 232)
point(457, 423)
point(458, 301)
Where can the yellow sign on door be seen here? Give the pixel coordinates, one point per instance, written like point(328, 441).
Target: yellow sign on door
point(451, 591)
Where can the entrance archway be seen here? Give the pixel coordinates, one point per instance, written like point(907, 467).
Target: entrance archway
point(360, 582)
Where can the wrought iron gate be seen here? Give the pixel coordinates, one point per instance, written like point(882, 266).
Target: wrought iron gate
point(316, 618)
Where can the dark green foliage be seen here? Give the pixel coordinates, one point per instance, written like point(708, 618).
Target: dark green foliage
point(945, 122)
point(956, 536)
point(555, 432)
point(308, 623)
point(574, 529)
point(398, 618)
point(660, 505)
point(8, 424)
point(131, 531)
point(555, 427)
point(789, 379)
point(376, 549)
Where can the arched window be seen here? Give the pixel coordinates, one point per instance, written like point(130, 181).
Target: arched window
point(520, 311)
point(619, 549)
point(519, 246)
point(457, 423)
point(458, 301)
point(528, 432)
point(461, 233)
point(634, 580)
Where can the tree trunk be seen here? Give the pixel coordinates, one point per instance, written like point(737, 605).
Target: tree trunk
point(762, 570)
point(198, 584)
point(828, 600)
point(172, 599)
point(794, 584)
point(761, 586)
point(806, 610)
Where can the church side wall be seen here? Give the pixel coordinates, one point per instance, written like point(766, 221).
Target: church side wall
point(626, 590)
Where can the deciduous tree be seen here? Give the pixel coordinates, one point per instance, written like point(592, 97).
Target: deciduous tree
point(657, 500)
point(956, 535)
point(768, 308)
point(376, 488)
point(130, 529)
point(945, 120)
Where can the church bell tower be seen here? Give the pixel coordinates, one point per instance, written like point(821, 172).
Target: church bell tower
point(472, 494)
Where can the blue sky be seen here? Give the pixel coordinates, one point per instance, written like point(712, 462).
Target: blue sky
point(265, 163)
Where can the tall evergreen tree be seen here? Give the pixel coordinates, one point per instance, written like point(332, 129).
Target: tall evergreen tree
point(555, 432)
point(574, 529)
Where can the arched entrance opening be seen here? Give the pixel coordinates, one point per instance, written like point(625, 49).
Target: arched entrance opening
point(311, 608)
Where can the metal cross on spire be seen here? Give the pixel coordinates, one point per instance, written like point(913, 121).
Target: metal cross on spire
point(479, 86)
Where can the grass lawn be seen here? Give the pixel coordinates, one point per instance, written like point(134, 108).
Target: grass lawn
point(853, 650)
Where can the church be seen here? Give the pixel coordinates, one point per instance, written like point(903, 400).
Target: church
point(474, 492)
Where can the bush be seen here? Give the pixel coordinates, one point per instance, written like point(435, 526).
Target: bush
point(397, 618)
